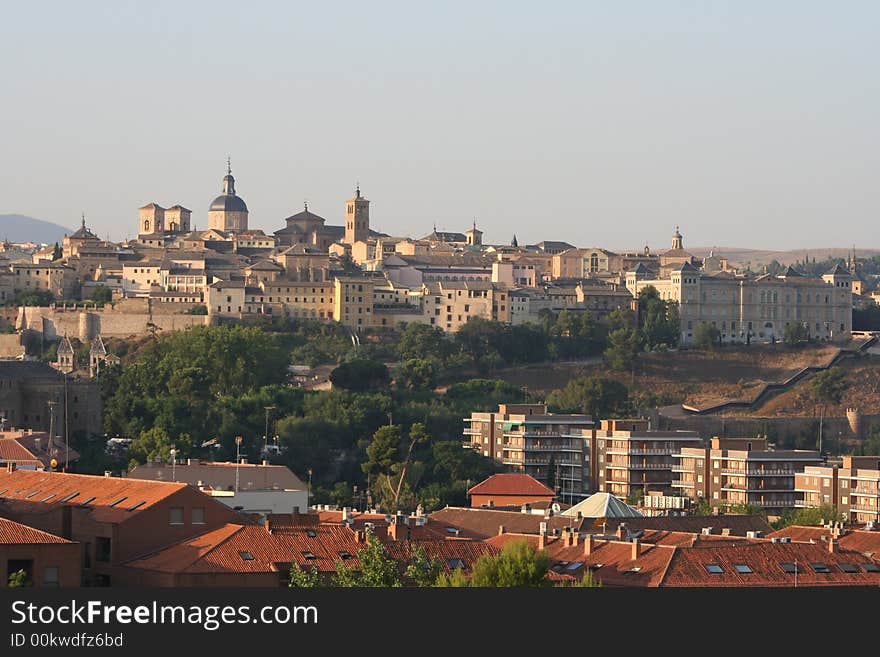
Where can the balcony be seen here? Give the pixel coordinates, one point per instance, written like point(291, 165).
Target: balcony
point(472, 445)
point(864, 507)
point(511, 447)
point(758, 473)
point(472, 432)
point(664, 451)
point(742, 489)
point(863, 493)
point(769, 503)
point(519, 464)
point(638, 466)
point(682, 483)
point(561, 447)
point(678, 468)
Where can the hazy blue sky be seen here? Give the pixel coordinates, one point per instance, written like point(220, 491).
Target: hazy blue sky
point(600, 123)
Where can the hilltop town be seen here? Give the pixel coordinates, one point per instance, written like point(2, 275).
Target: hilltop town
point(227, 407)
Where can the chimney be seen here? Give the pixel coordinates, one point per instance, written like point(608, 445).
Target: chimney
point(500, 529)
point(361, 536)
point(189, 461)
point(636, 544)
point(574, 537)
point(491, 503)
point(10, 467)
point(725, 531)
point(621, 531)
point(566, 537)
point(265, 462)
point(346, 514)
point(589, 545)
point(833, 545)
point(542, 535)
point(393, 530)
point(266, 524)
point(107, 473)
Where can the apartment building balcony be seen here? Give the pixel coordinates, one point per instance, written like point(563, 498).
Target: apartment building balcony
point(471, 445)
point(871, 508)
point(758, 473)
point(863, 493)
point(679, 468)
point(556, 447)
point(638, 466)
point(515, 462)
point(682, 483)
point(512, 447)
point(568, 463)
point(472, 432)
point(658, 451)
point(778, 504)
point(741, 489)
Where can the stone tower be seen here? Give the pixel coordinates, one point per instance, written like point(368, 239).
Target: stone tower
point(474, 236)
point(357, 218)
point(677, 241)
point(65, 361)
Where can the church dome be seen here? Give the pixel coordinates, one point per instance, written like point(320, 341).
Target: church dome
point(228, 201)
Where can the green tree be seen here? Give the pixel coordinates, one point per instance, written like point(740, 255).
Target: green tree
point(198, 309)
point(155, 443)
point(707, 336)
point(828, 386)
point(596, 396)
point(455, 579)
point(660, 319)
point(744, 509)
point(421, 341)
point(101, 294)
point(34, 297)
point(18, 580)
point(417, 374)
point(423, 571)
point(636, 497)
point(703, 508)
point(388, 462)
point(519, 564)
point(794, 334)
point(360, 375)
point(305, 578)
point(57, 254)
point(377, 569)
point(810, 516)
point(624, 345)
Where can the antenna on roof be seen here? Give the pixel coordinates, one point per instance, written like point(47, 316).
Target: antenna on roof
point(83, 219)
point(306, 204)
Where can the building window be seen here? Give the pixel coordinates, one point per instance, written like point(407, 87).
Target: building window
point(50, 576)
point(176, 515)
point(198, 515)
point(102, 549)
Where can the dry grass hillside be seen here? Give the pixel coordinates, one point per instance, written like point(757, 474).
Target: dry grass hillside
point(693, 377)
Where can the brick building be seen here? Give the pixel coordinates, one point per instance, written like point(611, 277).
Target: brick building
point(741, 471)
point(528, 439)
point(510, 489)
point(113, 519)
point(852, 487)
point(46, 559)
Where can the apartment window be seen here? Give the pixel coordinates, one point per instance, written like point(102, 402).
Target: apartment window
point(844, 500)
point(699, 479)
point(102, 549)
point(176, 515)
point(198, 515)
point(50, 577)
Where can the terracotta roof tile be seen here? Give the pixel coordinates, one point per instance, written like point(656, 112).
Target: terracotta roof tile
point(111, 498)
point(483, 523)
point(15, 533)
point(511, 484)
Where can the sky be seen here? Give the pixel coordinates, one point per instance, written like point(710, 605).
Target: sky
point(746, 123)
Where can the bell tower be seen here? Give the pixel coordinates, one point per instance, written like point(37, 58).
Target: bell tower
point(357, 218)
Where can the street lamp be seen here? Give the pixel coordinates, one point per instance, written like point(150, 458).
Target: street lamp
point(238, 440)
point(309, 490)
point(266, 431)
point(173, 463)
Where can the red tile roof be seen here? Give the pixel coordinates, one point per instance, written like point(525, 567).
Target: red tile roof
point(32, 491)
point(221, 550)
point(15, 533)
point(484, 523)
point(859, 540)
point(20, 447)
point(511, 484)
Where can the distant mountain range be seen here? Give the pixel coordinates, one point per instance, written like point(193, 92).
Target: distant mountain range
point(19, 228)
point(758, 257)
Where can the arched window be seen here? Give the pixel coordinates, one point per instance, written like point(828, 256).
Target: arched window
point(147, 226)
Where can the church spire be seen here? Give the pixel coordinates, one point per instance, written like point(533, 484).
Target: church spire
point(84, 220)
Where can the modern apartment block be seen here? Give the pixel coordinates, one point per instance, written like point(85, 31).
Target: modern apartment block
point(631, 456)
point(741, 471)
point(853, 487)
point(526, 438)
